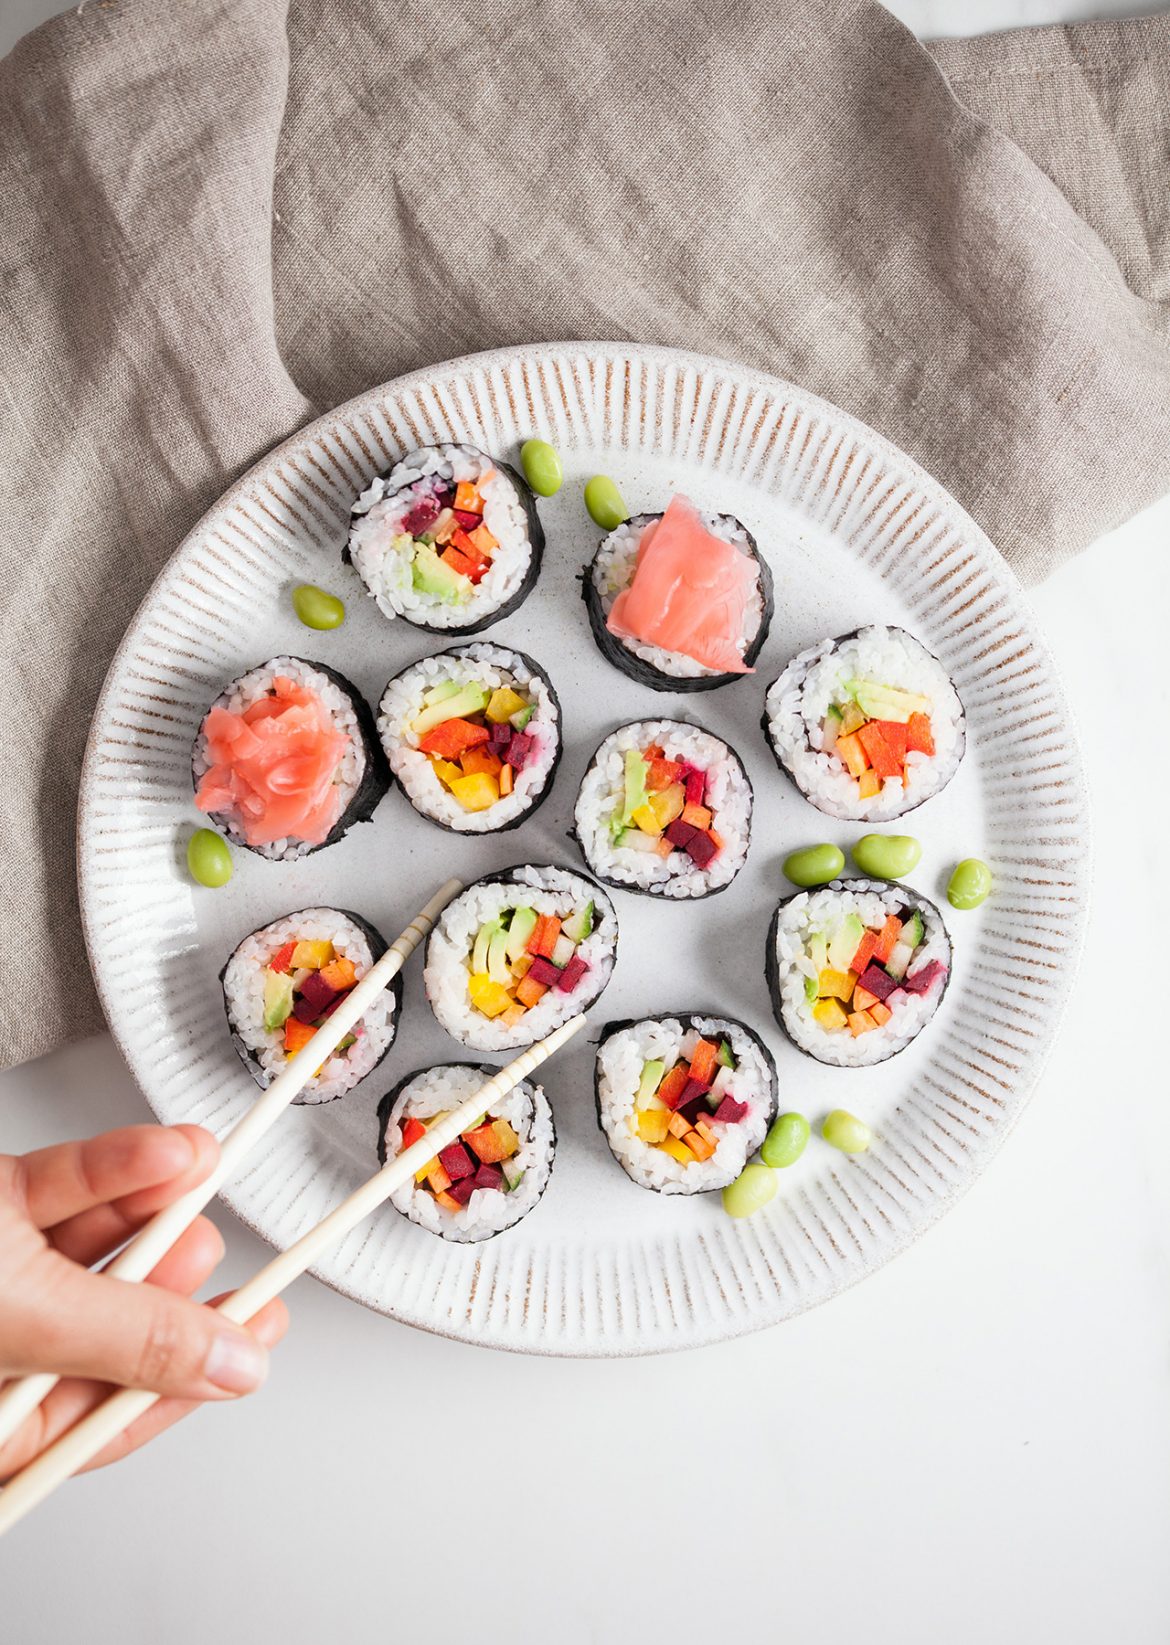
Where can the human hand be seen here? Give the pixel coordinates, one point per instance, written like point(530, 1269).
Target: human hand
point(63, 1209)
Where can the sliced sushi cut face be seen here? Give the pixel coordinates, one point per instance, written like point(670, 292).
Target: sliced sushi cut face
point(449, 539)
point(285, 979)
point(473, 736)
point(488, 1180)
point(680, 601)
point(519, 953)
point(868, 725)
point(665, 808)
point(287, 758)
point(684, 1100)
point(856, 969)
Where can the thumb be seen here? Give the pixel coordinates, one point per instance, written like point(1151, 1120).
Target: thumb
point(140, 1336)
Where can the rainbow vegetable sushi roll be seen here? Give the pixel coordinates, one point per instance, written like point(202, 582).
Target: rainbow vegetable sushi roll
point(684, 1101)
point(519, 953)
point(448, 538)
point(868, 725)
point(680, 601)
point(488, 1180)
point(285, 979)
point(856, 969)
point(287, 758)
point(665, 808)
point(473, 736)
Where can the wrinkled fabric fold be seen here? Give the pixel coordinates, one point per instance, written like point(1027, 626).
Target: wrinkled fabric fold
point(216, 218)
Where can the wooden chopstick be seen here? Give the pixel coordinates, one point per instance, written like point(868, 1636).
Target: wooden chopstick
point(142, 1255)
point(83, 1442)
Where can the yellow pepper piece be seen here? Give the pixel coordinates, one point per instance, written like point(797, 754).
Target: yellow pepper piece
point(829, 1014)
point(668, 804)
point(446, 772)
point(477, 792)
point(650, 1124)
point(645, 819)
point(311, 954)
point(487, 996)
point(507, 1136)
point(502, 704)
point(837, 984)
point(677, 1150)
point(869, 784)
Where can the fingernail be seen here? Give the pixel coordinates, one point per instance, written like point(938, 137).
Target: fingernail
point(236, 1362)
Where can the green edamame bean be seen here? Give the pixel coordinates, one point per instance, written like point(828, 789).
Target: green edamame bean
point(208, 858)
point(887, 856)
point(542, 467)
point(815, 865)
point(845, 1131)
point(316, 608)
point(970, 883)
point(754, 1187)
point(785, 1142)
point(604, 502)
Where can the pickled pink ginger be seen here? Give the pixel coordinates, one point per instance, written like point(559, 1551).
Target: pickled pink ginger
point(689, 592)
point(273, 766)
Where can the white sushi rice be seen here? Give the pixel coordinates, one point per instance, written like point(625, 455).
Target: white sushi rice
point(489, 1210)
point(243, 990)
point(620, 1059)
point(493, 666)
point(728, 797)
point(613, 570)
point(822, 911)
point(250, 688)
point(384, 562)
point(548, 891)
point(798, 701)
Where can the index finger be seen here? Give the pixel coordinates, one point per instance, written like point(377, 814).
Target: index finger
point(53, 1184)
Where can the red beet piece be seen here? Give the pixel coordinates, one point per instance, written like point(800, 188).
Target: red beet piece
point(923, 981)
point(877, 981)
point(501, 736)
point(692, 1089)
point(468, 520)
point(729, 1112)
point(572, 974)
point(696, 782)
point(702, 849)
point(421, 517)
point(317, 991)
point(305, 1011)
point(680, 833)
point(489, 1176)
point(519, 749)
point(462, 1190)
point(543, 970)
point(456, 1161)
point(691, 1110)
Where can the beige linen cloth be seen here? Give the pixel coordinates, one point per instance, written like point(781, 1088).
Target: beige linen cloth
point(219, 218)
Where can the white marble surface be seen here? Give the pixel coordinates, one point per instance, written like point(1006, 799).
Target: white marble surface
point(973, 1445)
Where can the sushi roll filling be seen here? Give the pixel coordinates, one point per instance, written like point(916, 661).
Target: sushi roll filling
point(683, 1109)
point(304, 983)
point(485, 1159)
point(873, 730)
point(475, 739)
point(518, 955)
point(857, 970)
point(662, 810)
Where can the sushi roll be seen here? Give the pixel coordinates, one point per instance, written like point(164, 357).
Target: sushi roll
point(679, 601)
point(684, 1101)
point(473, 736)
point(665, 808)
point(868, 725)
point(283, 981)
point(488, 1180)
point(856, 969)
point(448, 538)
point(519, 953)
point(287, 758)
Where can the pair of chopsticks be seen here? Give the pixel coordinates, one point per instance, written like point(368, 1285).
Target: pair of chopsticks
point(81, 1443)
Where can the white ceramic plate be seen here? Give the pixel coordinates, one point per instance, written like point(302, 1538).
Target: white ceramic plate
point(855, 532)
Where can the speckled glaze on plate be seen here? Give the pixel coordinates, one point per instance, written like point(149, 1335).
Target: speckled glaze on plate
point(854, 532)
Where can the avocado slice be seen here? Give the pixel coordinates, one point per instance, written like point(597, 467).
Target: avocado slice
point(521, 717)
point(634, 794)
point(726, 1055)
point(498, 968)
point(278, 998)
point(652, 1073)
point(468, 699)
point(439, 693)
point(912, 931)
point(845, 940)
point(886, 702)
point(483, 940)
point(430, 575)
point(523, 924)
point(578, 926)
point(818, 950)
